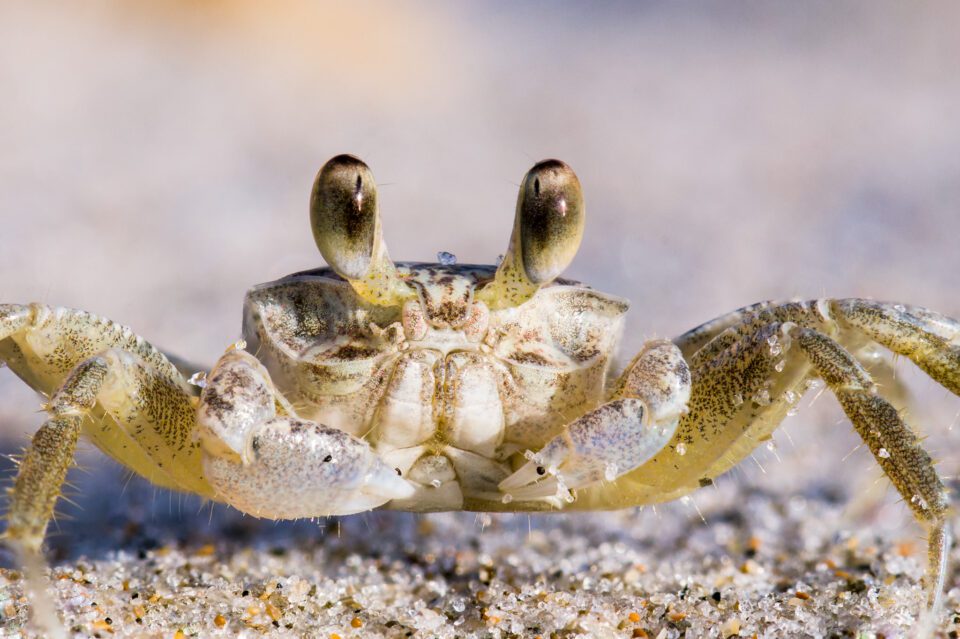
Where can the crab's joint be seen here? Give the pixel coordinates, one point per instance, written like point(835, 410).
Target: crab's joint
point(239, 345)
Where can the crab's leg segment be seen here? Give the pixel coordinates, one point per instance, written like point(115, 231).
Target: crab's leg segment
point(99, 377)
point(45, 464)
point(346, 225)
point(264, 460)
point(93, 383)
point(33, 497)
point(43, 470)
point(930, 340)
point(13, 319)
point(894, 445)
point(691, 342)
point(616, 437)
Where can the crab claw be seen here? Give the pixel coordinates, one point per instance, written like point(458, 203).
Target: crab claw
point(602, 445)
point(294, 468)
point(263, 459)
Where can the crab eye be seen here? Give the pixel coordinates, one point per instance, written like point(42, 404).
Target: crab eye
point(343, 214)
point(551, 217)
point(346, 227)
point(546, 235)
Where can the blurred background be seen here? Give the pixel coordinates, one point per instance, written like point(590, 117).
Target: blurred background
point(157, 159)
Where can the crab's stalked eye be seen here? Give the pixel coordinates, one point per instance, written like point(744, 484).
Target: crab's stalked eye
point(346, 227)
point(546, 235)
point(550, 212)
point(343, 214)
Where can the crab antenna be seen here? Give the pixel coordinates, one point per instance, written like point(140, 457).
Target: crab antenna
point(345, 220)
point(546, 234)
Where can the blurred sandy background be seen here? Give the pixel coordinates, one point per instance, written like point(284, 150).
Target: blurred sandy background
point(157, 158)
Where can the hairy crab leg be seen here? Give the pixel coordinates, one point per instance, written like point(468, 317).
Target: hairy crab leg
point(264, 460)
point(894, 445)
point(143, 415)
point(693, 341)
point(107, 383)
point(33, 497)
point(617, 436)
point(930, 340)
point(927, 338)
point(43, 468)
point(42, 472)
point(807, 351)
point(143, 421)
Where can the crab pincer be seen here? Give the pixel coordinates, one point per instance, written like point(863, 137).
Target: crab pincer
point(260, 457)
point(616, 437)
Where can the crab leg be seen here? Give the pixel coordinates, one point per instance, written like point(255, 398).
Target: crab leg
point(45, 464)
point(142, 411)
point(263, 459)
point(140, 418)
point(616, 437)
point(930, 340)
point(691, 342)
point(893, 444)
point(104, 381)
point(42, 472)
point(720, 434)
point(44, 467)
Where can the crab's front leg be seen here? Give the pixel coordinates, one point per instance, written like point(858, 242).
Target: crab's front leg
point(263, 459)
point(616, 437)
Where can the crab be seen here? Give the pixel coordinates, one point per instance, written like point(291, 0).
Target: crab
point(429, 387)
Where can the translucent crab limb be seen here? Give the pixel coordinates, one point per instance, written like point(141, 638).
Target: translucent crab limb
point(263, 459)
point(894, 445)
point(616, 437)
point(137, 407)
point(750, 367)
point(106, 382)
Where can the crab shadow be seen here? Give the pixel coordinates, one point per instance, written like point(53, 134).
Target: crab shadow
point(109, 512)
point(106, 510)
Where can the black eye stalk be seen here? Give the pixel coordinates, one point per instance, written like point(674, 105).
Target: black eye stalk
point(345, 220)
point(547, 231)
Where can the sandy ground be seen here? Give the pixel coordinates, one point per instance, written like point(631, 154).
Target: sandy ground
point(157, 161)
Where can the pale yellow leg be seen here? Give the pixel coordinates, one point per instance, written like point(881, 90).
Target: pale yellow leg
point(145, 416)
point(930, 340)
point(695, 339)
point(719, 370)
point(39, 480)
point(894, 446)
point(104, 380)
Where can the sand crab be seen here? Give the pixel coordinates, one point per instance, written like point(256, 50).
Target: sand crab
point(430, 387)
